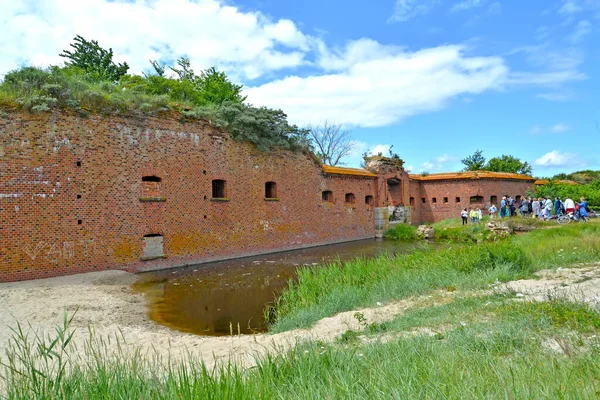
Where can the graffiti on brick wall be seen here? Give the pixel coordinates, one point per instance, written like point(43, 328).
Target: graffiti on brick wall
point(54, 252)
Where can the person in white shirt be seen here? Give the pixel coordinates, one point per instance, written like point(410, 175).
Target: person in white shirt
point(569, 205)
point(492, 210)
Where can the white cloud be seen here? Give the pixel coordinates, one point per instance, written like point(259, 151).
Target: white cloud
point(247, 44)
point(570, 7)
point(542, 33)
point(382, 88)
point(466, 5)
point(559, 128)
point(556, 158)
point(439, 163)
point(554, 96)
point(582, 29)
point(408, 9)
point(384, 149)
point(556, 128)
point(552, 67)
point(535, 130)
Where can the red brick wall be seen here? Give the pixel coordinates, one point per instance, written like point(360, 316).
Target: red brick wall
point(464, 189)
point(72, 198)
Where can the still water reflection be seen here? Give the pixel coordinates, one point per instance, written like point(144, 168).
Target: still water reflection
point(214, 299)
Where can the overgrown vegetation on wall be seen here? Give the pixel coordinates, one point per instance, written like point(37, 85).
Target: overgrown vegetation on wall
point(90, 81)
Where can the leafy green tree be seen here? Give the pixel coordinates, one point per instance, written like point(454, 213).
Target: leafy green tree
point(508, 164)
point(474, 162)
point(96, 61)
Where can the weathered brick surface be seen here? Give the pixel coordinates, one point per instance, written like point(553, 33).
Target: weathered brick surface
point(434, 208)
point(81, 194)
point(72, 198)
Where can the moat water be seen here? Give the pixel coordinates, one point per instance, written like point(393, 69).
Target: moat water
point(219, 298)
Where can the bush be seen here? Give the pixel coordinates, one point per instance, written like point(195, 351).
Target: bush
point(401, 232)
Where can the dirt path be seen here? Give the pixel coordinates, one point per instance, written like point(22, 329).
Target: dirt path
point(106, 303)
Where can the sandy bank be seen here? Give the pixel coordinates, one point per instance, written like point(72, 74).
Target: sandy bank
point(106, 303)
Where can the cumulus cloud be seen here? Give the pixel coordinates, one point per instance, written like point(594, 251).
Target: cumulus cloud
point(557, 158)
point(408, 9)
point(210, 33)
point(383, 87)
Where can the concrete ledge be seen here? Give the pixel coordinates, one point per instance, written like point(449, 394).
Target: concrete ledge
point(149, 268)
point(150, 199)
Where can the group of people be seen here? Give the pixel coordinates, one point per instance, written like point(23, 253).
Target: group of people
point(539, 207)
point(474, 214)
point(536, 207)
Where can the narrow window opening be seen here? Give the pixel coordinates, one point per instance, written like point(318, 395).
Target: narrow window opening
point(458, 199)
point(151, 178)
point(78, 196)
point(205, 217)
point(423, 200)
point(412, 201)
point(327, 196)
point(204, 172)
point(445, 200)
point(78, 163)
point(270, 190)
point(434, 200)
point(350, 198)
point(219, 189)
point(79, 222)
point(493, 199)
point(369, 200)
point(476, 199)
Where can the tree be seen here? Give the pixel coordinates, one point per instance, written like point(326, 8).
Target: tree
point(474, 162)
point(330, 142)
point(96, 61)
point(508, 164)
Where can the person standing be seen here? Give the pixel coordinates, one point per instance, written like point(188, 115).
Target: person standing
point(492, 210)
point(473, 215)
point(582, 208)
point(503, 207)
point(569, 206)
point(548, 207)
point(557, 206)
point(464, 215)
point(535, 206)
point(479, 215)
point(524, 207)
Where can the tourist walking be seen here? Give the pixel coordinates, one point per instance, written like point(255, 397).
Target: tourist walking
point(464, 215)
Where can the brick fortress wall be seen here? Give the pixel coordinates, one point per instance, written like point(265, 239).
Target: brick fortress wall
point(83, 194)
point(440, 199)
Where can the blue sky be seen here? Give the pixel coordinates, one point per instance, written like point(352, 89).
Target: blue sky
point(437, 79)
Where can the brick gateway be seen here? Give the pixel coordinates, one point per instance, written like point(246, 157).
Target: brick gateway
point(84, 194)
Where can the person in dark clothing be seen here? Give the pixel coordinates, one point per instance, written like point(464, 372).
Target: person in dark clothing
point(557, 206)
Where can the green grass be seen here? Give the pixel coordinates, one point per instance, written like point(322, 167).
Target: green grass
point(318, 293)
point(401, 232)
point(504, 357)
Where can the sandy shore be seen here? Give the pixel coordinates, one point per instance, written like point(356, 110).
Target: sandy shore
point(105, 302)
